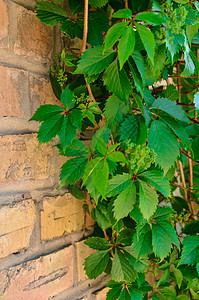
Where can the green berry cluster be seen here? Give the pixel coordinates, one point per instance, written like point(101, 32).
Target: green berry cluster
point(82, 99)
point(176, 18)
point(140, 157)
point(62, 77)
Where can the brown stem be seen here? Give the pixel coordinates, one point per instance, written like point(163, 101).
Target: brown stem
point(126, 4)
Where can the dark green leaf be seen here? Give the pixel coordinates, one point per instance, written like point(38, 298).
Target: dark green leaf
point(100, 176)
point(50, 13)
point(73, 170)
point(98, 3)
point(134, 129)
point(126, 45)
point(77, 148)
point(67, 98)
point(142, 245)
point(67, 132)
point(76, 192)
point(97, 243)
point(95, 33)
point(117, 81)
point(139, 61)
point(117, 184)
point(123, 13)
point(49, 129)
point(76, 117)
point(46, 112)
point(113, 34)
point(96, 263)
point(190, 251)
point(114, 293)
point(76, 6)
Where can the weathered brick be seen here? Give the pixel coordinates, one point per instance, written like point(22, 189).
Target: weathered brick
point(39, 279)
point(41, 92)
point(61, 215)
point(22, 160)
point(17, 223)
point(14, 99)
point(4, 25)
point(82, 251)
point(34, 39)
point(101, 295)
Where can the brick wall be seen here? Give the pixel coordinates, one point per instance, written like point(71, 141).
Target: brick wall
point(42, 231)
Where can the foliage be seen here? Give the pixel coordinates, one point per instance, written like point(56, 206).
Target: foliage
point(150, 136)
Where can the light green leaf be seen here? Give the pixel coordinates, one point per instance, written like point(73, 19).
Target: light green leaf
point(161, 241)
point(98, 3)
point(134, 129)
point(123, 13)
point(115, 110)
point(196, 101)
point(178, 276)
point(157, 179)
point(171, 93)
point(117, 81)
point(148, 40)
point(191, 30)
point(67, 98)
point(67, 133)
point(164, 143)
point(162, 213)
point(124, 202)
point(117, 157)
point(77, 148)
point(96, 263)
point(50, 13)
point(190, 251)
point(126, 45)
point(168, 228)
point(94, 61)
point(141, 264)
point(171, 108)
point(117, 184)
point(49, 129)
point(121, 269)
point(97, 243)
point(90, 168)
point(100, 176)
point(150, 17)
point(113, 34)
point(73, 170)
point(148, 200)
point(46, 112)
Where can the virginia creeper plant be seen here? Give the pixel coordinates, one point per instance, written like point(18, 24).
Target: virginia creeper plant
point(135, 82)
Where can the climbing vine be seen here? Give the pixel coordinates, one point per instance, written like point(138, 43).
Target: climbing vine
point(134, 82)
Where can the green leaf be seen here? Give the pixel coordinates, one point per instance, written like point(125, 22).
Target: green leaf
point(95, 33)
point(114, 293)
point(164, 278)
point(141, 264)
point(67, 133)
point(96, 263)
point(164, 143)
point(100, 176)
point(117, 184)
point(148, 40)
point(162, 213)
point(97, 243)
point(102, 218)
point(76, 192)
point(126, 45)
point(103, 133)
point(49, 129)
point(139, 61)
point(117, 81)
point(124, 202)
point(142, 245)
point(113, 34)
point(196, 100)
point(46, 112)
point(117, 156)
point(125, 295)
point(76, 6)
point(123, 13)
point(190, 251)
point(191, 30)
point(178, 276)
point(115, 110)
point(50, 13)
point(157, 179)
point(98, 3)
point(77, 148)
point(171, 93)
point(171, 108)
point(134, 129)
point(150, 17)
point(90, 168)
point(121, 269)
point(135, 294)
point(73, 170)
point(67, 98)
point(72, 29)
point(94, 61)
point(76, 117)
point(148, 200)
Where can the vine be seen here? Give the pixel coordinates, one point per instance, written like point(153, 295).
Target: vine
point(135, 78)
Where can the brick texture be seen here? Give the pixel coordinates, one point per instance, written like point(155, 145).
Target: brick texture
point(17, 223)
point(82, 252)
point(14, 100)
point(23, 160)
point(101, 295)
point(38, 279)
point(61, 215)
point(34, 39)
point(4, 25)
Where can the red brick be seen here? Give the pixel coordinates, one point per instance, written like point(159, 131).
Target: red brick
point(4, 25)
point(39, 279)
point(14, 100)
point(22, 160)
point(34, 39)
point(17, 223)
